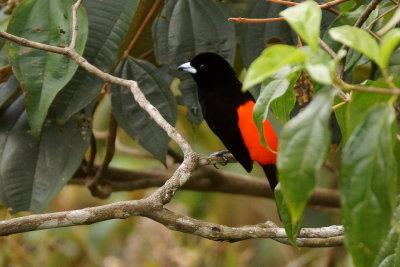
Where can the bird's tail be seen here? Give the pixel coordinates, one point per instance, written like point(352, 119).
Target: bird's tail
point(271, 173)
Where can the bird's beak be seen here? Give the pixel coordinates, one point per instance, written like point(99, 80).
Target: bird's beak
point(187, 67)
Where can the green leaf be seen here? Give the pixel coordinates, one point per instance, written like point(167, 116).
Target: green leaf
point(360, 104)
point(105, 40)
point(32, 170)
point(282, 106)
point(321, 67)
point(303, 146)
point(359, 40)
point(131, 117)
point(388, 44)
point(305, 19)
point(43, 74)
point(292, 229)
point(189, 27)
point(9, 90)
point(271, 60)
point(269, 93)
point(340, 115)
point(368, 184)
point(345, 18)
point(388, 253)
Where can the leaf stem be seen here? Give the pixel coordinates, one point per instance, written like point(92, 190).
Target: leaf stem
point(353, 87)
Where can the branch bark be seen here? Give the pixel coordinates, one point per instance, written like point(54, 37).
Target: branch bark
point(309, 237)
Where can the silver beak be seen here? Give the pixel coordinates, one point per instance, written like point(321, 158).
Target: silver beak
point(187, 67)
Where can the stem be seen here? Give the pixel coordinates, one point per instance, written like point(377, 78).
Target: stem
point(142, 26)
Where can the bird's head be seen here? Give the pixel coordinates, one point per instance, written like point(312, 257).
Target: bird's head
point(210, 70)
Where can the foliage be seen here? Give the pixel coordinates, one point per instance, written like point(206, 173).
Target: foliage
point(47, 104)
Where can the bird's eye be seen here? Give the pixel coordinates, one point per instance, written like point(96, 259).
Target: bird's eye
point(202, 66)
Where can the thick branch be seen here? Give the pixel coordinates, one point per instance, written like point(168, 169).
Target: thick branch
point(326, 236)
point(203, 179)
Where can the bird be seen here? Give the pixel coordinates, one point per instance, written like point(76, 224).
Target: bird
point(228, 112)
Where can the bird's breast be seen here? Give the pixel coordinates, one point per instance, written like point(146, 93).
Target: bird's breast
point(251, 137)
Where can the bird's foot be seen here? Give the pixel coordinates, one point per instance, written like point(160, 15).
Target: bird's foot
point(221, 155)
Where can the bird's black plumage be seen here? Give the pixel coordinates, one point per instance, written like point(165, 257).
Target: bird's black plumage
point(220, 95)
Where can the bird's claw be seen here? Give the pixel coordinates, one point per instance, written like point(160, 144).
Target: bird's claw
point(221, 155)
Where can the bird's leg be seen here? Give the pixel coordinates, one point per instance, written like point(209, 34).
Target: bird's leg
point(221, 154)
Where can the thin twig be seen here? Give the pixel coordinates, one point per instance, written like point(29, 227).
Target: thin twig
point(327, 48)
point(367, 11)
point(381, 16)
point(247, 20)
point(142, 26)
point(327, 6)
point(74, 24)
point(96, 184)
point(92, 156)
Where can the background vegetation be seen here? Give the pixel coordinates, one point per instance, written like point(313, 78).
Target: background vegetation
point(56, 123)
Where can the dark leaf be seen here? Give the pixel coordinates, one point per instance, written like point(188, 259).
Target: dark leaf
point(43, 74)
point(109, 22)
point(33, 171)
point(131, 117)
point(186, 28)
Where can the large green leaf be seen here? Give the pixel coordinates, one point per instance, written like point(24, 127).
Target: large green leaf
point(109, 22)
point(131, 117)
point(305, 19)
point(43, 74)
point(303, 146)
point(368, 184)
point(389, 42)
point(359, 105)
point(271, 60)
point(32, 170)
point(189, 27)
point(359, 40)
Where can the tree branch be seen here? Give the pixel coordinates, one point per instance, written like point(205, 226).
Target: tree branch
point(203, 179)
point(325, 236)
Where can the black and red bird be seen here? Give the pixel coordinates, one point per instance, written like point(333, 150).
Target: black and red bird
point(228, 111)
